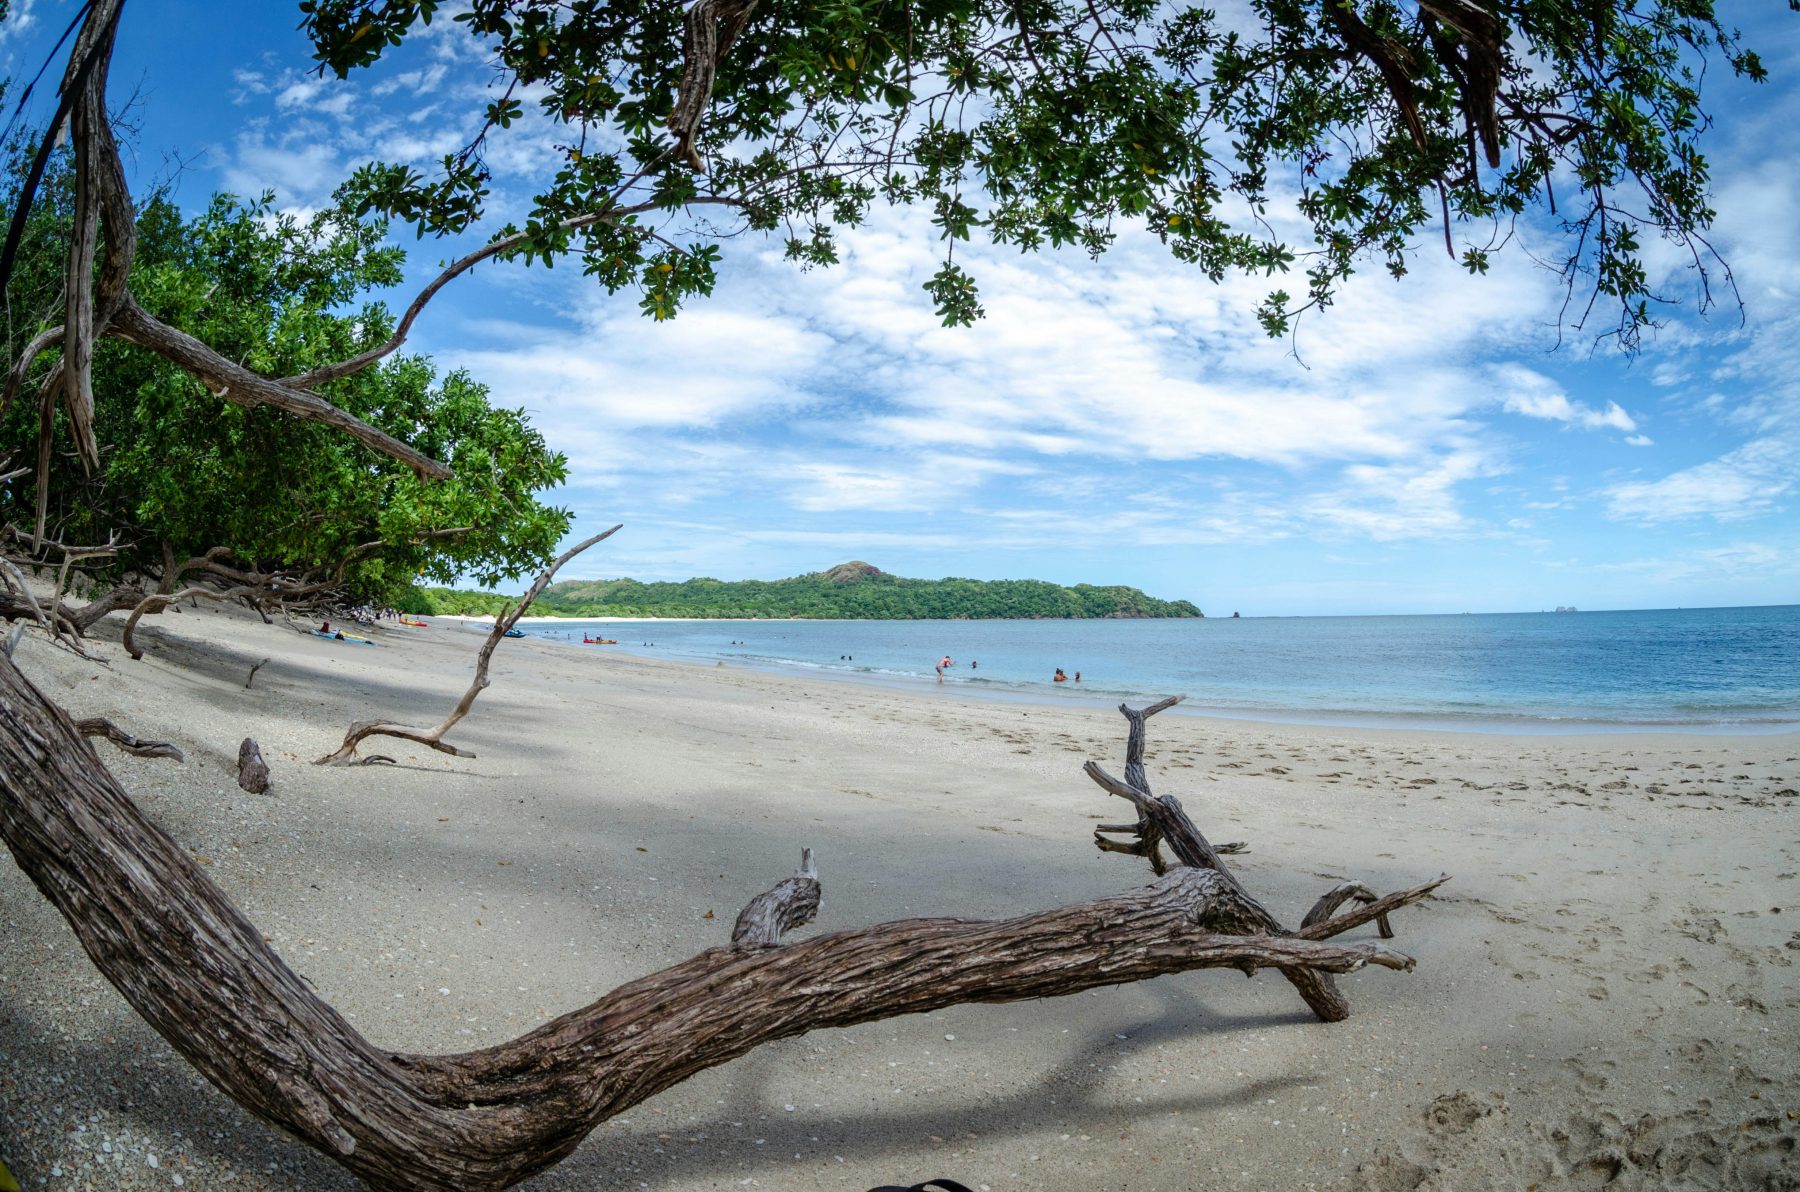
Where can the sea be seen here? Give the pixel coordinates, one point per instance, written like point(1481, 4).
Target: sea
point(1708, 670)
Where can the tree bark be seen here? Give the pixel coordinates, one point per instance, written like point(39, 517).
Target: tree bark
point(202, 975)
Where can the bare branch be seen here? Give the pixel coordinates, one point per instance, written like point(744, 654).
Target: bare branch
point(487, 1119)
point(100, 726)
point(1377, 910)
point(15, 380)
point(505, 244)
point(1162, 820)
point(434, 737)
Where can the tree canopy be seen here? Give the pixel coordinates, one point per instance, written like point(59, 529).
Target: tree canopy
point(1275, 138)
point(1295, 141)
point(182, 471)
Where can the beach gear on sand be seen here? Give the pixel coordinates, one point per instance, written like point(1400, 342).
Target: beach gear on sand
point(927, 1186)
point(343, 637)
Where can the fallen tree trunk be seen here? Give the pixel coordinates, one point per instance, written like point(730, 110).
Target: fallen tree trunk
point(202, 975)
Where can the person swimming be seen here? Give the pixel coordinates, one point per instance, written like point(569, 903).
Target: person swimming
point(1059, 677)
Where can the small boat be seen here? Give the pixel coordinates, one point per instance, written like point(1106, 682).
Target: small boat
point(515, 633)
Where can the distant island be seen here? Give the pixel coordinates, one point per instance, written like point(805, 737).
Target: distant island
point(849, 591)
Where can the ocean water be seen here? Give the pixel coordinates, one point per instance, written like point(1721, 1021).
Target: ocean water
point(1712, 669)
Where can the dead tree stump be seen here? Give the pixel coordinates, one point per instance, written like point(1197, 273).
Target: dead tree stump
point(253, 772)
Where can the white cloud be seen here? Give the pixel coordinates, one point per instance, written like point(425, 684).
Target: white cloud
point(1536, 396)
point(1404, 500)
point(1733, 561)
point(1748, 482)
point(621, 373)
point(313, 93)
point(927, 482)
point(19, 21)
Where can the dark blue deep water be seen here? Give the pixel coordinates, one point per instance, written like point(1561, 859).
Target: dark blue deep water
point(1715, 669)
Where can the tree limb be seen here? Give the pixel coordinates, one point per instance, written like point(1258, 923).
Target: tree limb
point(240, 386)
point(434, 737)
point(1162, 820)
point(100, 726)
point(15, 380)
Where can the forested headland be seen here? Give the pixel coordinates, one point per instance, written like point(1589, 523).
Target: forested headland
point(849, 591)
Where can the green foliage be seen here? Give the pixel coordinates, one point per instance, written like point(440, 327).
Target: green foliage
point(1051, 121)
point(183, 467)
point(850, 591)
point(454, 602)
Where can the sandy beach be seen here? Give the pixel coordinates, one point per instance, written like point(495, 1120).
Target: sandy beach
point(1606, 994)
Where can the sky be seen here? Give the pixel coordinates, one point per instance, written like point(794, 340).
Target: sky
point(1433, 445)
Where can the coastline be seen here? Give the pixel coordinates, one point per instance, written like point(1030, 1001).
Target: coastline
point(1613, 958)
point(980, 686)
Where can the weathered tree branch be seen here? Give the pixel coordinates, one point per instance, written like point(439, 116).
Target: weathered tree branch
point(98, 303)
point(505, 244)
point(238, 385)
point(156, 602)
point(434, 737)
point(1376, 911)
point(1162, 820)
point(17, 600)
point(15, 379)
point(100, 726)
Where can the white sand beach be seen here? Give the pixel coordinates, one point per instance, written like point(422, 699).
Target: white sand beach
point(1606, 993)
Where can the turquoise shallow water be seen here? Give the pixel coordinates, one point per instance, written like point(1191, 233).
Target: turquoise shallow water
point(1717, 669)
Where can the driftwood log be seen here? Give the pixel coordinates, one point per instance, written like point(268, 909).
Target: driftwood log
point(202, 975)
point(362, 730)
point(100, 726)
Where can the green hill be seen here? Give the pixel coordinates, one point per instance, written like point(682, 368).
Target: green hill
point(850, 591)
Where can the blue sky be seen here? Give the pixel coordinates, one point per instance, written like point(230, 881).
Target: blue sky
point(1428, 449)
